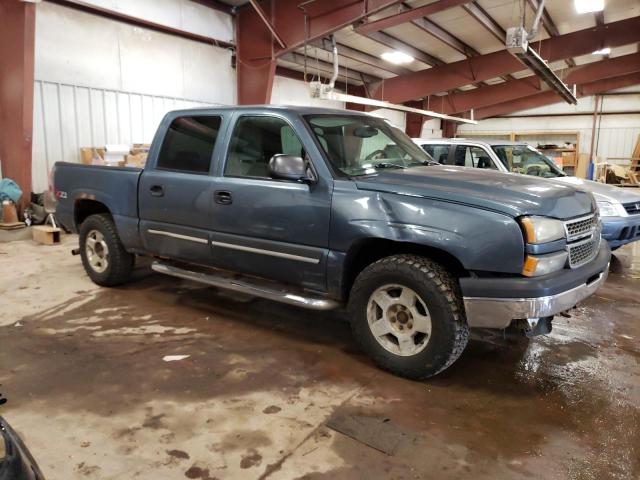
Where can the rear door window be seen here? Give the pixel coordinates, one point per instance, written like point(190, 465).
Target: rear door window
point(476, 157)
point(189, 143)
point(440, 153)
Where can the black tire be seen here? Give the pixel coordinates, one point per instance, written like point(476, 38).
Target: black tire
point(441, 296)
point(119, 265)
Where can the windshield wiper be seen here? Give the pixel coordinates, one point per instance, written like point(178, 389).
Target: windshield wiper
point(425, 163)
point(388, 165)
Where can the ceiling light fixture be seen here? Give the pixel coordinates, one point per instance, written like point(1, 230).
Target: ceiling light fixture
point(587, 6)
point(397, 57)
point(602, 51)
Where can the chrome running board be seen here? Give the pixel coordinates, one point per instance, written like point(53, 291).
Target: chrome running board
point(249, 285)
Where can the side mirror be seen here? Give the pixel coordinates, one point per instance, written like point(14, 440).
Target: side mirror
point(290, 167)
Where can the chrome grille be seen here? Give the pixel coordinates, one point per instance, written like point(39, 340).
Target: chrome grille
point(581, 227)
point(584, 251)
point(632, 208)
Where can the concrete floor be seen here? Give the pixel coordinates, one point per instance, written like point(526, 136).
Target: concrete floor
point(89, 390)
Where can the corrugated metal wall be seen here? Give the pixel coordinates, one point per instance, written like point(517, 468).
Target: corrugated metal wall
point(68, 117)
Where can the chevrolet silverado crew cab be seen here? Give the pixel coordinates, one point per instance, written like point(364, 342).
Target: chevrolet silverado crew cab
point(619, 208)
point(328, 208)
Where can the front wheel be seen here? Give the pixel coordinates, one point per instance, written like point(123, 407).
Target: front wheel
point(103, 256)
point(407, 314)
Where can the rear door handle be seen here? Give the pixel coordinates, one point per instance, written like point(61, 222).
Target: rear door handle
point(157, 190)
point(223, 197)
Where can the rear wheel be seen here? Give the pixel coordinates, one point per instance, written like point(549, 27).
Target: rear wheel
point(406, 313)
point(103, 256)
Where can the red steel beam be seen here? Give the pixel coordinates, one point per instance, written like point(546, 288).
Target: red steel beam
point(296, 23)
point(550, 26)
point(255, 63)
point(322, 18)
point(486, 20)
point(483, 96)
point(407, 16)
point(512, 90)
point(611, 67)
point(17, 45)
point(476, 69)
point(263, 16)
point(360, 57)
point(549, 97)
point(607, 84)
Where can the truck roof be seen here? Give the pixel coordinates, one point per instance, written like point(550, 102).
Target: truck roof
point(466, 140)
point(299, 109)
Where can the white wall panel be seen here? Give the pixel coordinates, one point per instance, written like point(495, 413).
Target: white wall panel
point(100, 81)
point(69, 117)
point(77, 48)
point(287, 91)
point(396, 117)
point(181, 14)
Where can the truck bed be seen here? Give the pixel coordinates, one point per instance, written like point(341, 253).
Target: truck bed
point(116, 187)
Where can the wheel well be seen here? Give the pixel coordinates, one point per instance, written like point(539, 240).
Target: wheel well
point(85, 208)
point(369, 251)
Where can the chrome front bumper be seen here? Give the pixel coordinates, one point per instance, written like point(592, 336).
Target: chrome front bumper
point(499, 312)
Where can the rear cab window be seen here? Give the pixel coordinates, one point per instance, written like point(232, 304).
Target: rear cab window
point(189, 143)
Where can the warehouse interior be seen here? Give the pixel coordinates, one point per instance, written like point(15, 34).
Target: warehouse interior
point(169, 376)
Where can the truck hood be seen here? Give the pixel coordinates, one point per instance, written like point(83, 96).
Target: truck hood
point(601, 191)
point(514, 195)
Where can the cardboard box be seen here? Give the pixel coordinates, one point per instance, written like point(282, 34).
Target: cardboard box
point(559, 161)
point(138, 148)
point(136, 160)
point(45, 234)
point(569, 159)
point(86, 155)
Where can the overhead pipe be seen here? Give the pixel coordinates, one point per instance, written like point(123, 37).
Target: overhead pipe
point(334, 50)
point(536, 21)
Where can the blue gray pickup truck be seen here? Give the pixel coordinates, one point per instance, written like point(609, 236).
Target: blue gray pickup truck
point(326, 209)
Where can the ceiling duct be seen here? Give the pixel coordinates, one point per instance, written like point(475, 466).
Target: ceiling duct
point(517, 43)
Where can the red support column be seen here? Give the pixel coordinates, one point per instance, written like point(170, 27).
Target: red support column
point(255, 61)
point(17, 42)
point(414, 121)
point(414, 125)
point(449, 129)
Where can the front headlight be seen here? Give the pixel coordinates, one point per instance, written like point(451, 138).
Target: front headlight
point(608, 209)
point(537, 265)
point(542, 229)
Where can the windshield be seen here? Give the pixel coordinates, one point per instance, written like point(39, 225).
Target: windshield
point(358, 145)
point(526, 160)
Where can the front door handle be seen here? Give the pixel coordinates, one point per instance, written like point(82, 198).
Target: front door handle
point(223, 197)
point(157, 190)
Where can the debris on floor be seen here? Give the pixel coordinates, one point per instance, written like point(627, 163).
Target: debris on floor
point(174, 358)
point(379, 433)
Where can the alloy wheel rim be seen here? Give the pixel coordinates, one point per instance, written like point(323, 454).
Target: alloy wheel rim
point(97, 251)
point(399, 320)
